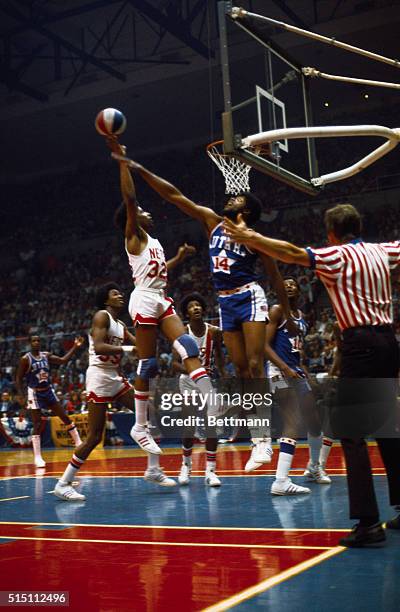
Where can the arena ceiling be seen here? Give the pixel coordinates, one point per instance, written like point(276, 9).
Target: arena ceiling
point(157, 60)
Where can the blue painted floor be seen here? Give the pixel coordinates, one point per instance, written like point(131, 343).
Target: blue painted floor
point(240, 502)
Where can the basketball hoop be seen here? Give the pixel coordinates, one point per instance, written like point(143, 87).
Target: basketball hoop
point(235, 172)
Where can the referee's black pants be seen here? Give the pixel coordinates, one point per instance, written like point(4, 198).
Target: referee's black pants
point(368, 407)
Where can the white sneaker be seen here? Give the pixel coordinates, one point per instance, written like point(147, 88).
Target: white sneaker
point(145, 441)
point(260, 453)
point(184, 474)
point(316, 473)
point(157, 476)
point(287, 487)
point(67, 492)
point(212, 479)
point(39, 462)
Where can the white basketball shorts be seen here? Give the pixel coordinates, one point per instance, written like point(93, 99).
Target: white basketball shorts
point(104, 385)
point(150, 306)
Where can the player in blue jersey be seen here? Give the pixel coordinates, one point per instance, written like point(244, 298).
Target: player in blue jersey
point(289, 382)
point(242, 302)
point(35, 367)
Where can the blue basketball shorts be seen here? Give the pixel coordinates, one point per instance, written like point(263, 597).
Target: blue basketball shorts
point(40, 400)
point(248, 304)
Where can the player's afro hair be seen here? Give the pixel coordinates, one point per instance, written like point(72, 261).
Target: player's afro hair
point(102, 294)
point(191, 297)
point(253, 207)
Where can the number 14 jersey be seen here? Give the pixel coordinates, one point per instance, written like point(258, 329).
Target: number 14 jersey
point(232, 264)
point(149, 269)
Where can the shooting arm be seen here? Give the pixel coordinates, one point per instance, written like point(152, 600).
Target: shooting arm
point(129, 196)
point(127, 186)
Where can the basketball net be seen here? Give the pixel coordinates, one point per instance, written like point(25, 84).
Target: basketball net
point(235, 172)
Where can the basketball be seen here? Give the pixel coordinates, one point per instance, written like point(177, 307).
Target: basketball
point(110, 121)
point(202, 309)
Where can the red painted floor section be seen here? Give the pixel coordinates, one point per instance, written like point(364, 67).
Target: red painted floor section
point(231, 462)
point(149, 577)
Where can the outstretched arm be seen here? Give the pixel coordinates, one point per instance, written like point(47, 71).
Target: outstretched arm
point(183, 252)
point(172, 194)
point(278, 249)
point(65, 358)
point(128, 191)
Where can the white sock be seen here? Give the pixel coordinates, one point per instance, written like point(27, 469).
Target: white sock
point(36, 447)
point(74, 433)
point(287, 447)
point(325, 450)
point(71, 470)
point(211, 460)
point(202, 380)
point(314, 447)
point(153, 461)
point(141, 406)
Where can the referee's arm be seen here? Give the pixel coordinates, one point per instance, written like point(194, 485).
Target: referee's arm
point(278, 249)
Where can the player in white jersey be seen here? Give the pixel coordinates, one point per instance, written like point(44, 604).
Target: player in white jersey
point(108, 340)
point(209, 340)
point(149, 306)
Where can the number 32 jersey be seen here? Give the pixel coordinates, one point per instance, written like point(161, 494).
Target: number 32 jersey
point(232, 264)
point(149, 269)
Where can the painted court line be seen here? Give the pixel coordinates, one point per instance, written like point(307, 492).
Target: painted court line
point(175, 473)
point(160, 543)
point(13, 498)
point(268, 583)
point(150, 526)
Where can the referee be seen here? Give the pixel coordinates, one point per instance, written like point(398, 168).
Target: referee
point(356, 275)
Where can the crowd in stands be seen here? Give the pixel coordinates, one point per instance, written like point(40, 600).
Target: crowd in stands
point(52, 268)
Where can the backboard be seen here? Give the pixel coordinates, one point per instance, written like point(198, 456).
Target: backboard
point(264, 89)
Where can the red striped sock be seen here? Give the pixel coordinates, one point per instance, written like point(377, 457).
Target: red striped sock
point(74, 465)
point(187, 455)
point(76, 462)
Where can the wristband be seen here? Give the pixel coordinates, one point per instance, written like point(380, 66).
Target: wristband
point(127, 348)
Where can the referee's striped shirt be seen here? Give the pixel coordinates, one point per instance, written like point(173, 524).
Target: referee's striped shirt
point(357, 278)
